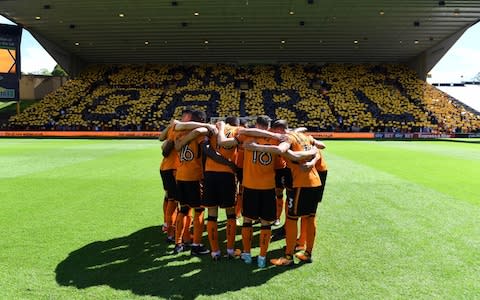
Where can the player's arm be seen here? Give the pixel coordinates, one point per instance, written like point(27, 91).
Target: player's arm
point(274, 149)
point(222, 139)
point(217, 157)
point(179, 143)
point(301, 155)
point(284, 150)
point(306, 166)
point(164, 133)
point(191, 125)
point(300, 129)
point(256, 132)
point(167, 147)
point(319, 144)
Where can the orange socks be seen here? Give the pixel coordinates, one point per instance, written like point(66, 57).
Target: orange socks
point(290, 235)
point(198, 226)
point(231, 231)
point(247, 233)
point(165, 204)
point(212, 229)
point(238, 206)
point(279, 207)
point(179, 228)
point(311, 232)
point(302, 239)
point(182, 223)
point(265, 234)
point(170, 217)
point(187, 222)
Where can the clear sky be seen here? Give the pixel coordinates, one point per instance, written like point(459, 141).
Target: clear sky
point(33, 56)
point(462, 61)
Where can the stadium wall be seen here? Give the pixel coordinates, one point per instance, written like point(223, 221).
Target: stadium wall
point(154, 135)
point(34, 87)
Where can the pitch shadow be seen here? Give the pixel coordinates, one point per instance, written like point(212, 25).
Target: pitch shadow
point(142, 262)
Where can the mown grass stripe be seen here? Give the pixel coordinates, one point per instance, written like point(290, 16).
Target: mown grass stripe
point(90, 229)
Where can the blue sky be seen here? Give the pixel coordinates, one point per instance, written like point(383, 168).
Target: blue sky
point(462, 61)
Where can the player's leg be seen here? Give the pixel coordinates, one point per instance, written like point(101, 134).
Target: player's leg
point(231, 231)
point(179, 222)
point(239, 204)
point(302, 239)
point(187, 225)
point(212, 230)
point(198, 226)
point(170, 205)
point(239, 201)
point(180, 227)
point(307, 207)
point(279, 205)
point(267, 216)
point(265, 235)
point(164, 209)
point(193, 199)
point(247, 234)
point(279, 188)
point(170, 219)
point(227, 201)
point(290, 229)
point(309, 229)
point(309, 224)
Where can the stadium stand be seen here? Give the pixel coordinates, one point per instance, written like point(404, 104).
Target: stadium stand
point(332, 97)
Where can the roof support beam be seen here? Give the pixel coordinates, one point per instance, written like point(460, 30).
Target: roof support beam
point(70, 62)
point(425, 61)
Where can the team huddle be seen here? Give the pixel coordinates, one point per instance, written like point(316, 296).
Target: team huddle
point(244, 171)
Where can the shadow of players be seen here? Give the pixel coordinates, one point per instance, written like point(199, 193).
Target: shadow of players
point(143, 263)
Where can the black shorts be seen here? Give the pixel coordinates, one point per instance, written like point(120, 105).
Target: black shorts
point(283, 178)
point(259, 204)
point(189, 193)
point(240, 175)
point(169, 183)
point(323, 179)
point(220, 189)
point(303, 201)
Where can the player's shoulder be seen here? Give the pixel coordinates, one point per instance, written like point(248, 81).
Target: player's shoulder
point(269, 141)
point(292, 137)
point(171, 131)
point(233, 130)
point(301, 137)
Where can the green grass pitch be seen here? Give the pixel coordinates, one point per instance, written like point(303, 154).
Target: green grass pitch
point(80, 219)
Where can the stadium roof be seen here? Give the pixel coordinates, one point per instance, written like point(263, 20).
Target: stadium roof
point(245, 31)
